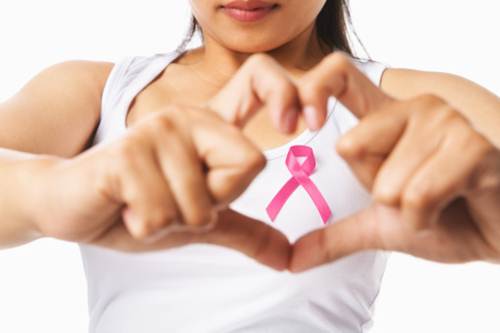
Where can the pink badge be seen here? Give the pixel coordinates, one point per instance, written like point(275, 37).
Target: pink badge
point(300, 176)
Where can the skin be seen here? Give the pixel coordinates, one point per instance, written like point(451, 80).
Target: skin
point(233, 87)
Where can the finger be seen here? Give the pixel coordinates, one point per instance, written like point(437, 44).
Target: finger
point(417, 144)
point(118, 238)
point(182, 167)
point(231, 158)
point(250, 237)
point(273, 87)
point(393, 136)
point(445, 176)
point(484, 189)
point(366, 146)
point(261, 81)
point(454, 239)
point(365, 168)
point(378, 227)
point(355, 233)
point(143, 188)
point(337, 76)
point(232, 230)
point(376, 134)
point(422, 123)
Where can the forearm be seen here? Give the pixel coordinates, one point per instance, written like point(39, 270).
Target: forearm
point(20, 175)
point(480, 106)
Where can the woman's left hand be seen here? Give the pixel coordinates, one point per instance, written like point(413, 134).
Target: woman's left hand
point(434, 179)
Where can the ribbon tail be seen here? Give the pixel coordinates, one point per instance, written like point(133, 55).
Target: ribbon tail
point(281, 198)
point(318, 199)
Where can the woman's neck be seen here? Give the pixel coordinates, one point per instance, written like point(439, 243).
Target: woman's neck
point(220, 64)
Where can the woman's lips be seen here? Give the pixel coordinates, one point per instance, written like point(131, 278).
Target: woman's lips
point(248, 11)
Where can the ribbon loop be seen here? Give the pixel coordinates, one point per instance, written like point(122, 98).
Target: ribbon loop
point(300, 177)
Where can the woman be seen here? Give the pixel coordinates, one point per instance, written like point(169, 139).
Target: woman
point(152, 142)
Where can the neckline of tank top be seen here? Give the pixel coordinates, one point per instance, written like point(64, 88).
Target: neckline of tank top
point(162, 60)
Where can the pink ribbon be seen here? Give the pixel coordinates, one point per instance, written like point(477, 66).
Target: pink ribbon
point(300, 176)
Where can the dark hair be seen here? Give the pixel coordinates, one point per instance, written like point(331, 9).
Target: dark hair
point(332, 25)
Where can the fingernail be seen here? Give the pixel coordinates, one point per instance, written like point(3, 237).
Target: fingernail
point(290, 120)
point(312, 117)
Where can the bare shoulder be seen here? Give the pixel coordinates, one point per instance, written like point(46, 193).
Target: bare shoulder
point(76, 77)
point(75, 70)
point(56, 111)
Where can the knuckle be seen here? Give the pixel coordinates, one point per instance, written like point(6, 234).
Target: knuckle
point(416, 198)
point(383, 193)
point(150, 227)
point(159, 218)
point(485, 148)
point(323, 243)
point(348, 147)
point(448, 115)
point(128, 149)
point(255, 161)
point(140, 231)
point(249, 161)
point(338, 59)
point(309, 89)
point(284, 87)
point(435, 111)
point(53, 230)
point(211, 225)
point(171, 110)
point(201, 218)
point(486, 176)
point(491, 253)
point(259, 59)
point(469, 138)
point(163, 122)
point(437, 118)
point(429, 101)
point(263, 237)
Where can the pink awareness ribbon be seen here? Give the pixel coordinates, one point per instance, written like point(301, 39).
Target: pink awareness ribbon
point(300, 177)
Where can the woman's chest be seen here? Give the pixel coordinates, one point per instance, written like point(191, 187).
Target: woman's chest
point(305, 185)
point(276, 196)
point(190, 93)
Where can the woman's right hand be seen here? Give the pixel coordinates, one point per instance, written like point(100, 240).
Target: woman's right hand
point(165, 183)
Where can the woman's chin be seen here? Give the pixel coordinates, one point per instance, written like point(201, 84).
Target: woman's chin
point(252, 46)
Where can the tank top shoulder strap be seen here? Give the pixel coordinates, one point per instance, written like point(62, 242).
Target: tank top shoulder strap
point(127, 78)
point(372, 69)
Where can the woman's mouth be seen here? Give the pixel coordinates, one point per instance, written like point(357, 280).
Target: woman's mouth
point(249, 11)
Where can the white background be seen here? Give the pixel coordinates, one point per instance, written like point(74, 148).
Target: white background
point(42, 286)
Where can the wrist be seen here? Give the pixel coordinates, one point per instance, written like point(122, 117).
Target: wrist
point(23, 199)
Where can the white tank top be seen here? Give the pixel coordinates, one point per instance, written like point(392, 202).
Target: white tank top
point(207, 288)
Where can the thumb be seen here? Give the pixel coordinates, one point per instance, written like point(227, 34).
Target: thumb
point(366, 230)
point(253, 238)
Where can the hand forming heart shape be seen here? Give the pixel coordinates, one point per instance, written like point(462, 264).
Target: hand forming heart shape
point(431, 199)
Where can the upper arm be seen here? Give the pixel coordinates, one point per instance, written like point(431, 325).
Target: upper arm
point(56, 112)
point(480, 106)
